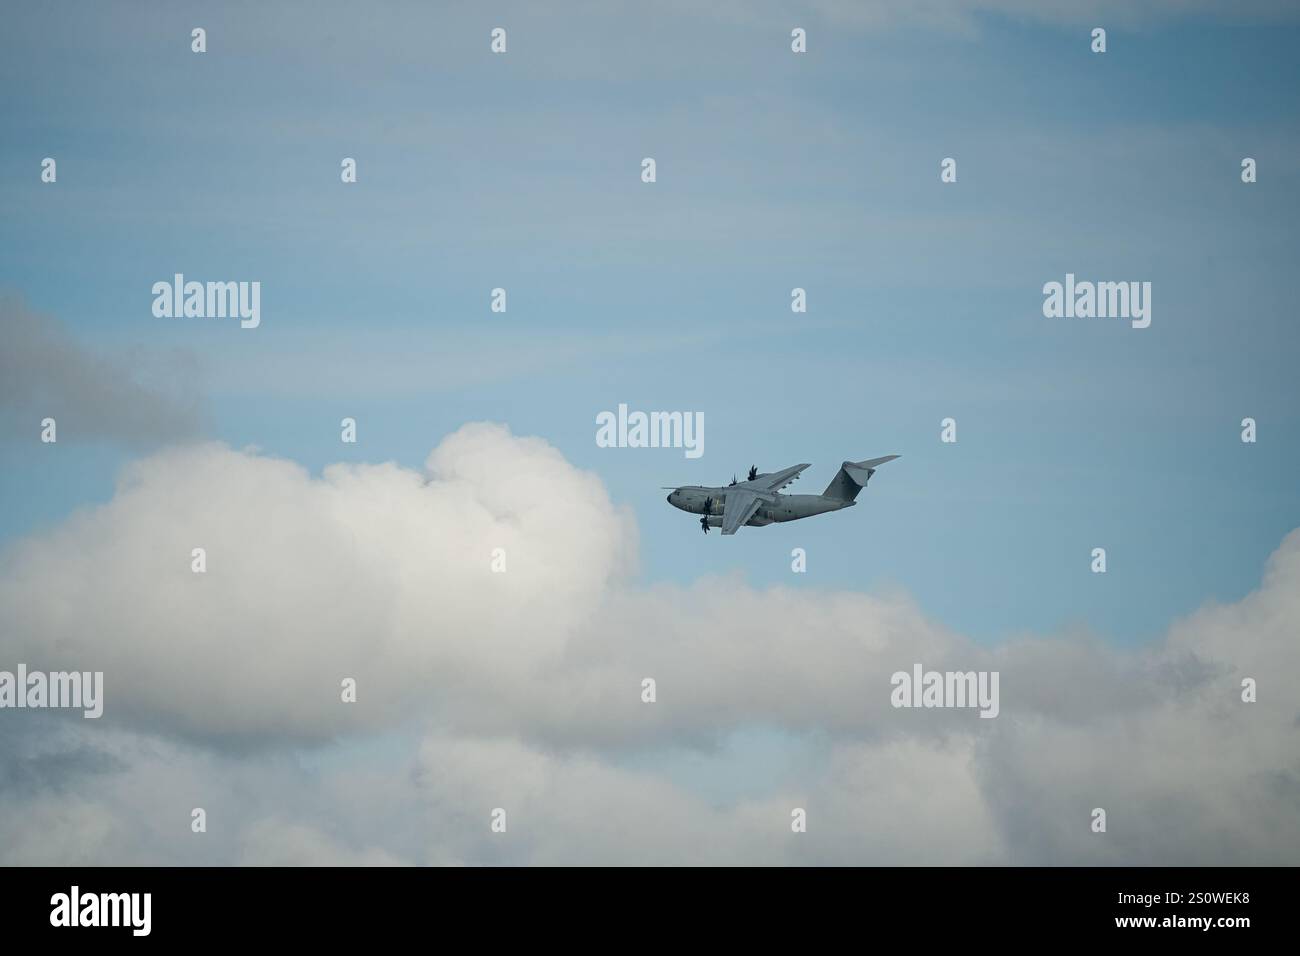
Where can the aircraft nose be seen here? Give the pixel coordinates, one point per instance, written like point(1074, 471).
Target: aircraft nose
point(669, 499)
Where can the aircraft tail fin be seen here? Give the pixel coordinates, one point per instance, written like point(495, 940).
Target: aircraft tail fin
point(853, 477)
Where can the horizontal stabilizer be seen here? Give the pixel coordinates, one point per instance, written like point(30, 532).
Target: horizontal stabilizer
point(861, 471)
point(874, 462)
point(853, 476)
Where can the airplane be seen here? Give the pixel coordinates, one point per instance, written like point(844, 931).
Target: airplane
point(757, 500)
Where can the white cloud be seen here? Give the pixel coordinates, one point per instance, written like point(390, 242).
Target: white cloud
point(372, 572)
point(526, 689)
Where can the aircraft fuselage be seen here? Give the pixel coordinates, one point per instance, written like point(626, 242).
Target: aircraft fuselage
point(781, 507)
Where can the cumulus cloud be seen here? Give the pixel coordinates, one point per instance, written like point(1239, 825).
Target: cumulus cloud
point(373, 572)
point(522, 690)
point(136, 400)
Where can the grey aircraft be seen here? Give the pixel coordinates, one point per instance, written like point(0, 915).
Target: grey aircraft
point(757, 501)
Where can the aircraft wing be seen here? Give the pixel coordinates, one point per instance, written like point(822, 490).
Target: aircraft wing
point(738, 508)
point(778, 479)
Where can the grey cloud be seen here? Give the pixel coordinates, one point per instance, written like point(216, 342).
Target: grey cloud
point(138, 399)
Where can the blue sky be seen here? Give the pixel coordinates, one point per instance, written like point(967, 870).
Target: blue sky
point(775, 171)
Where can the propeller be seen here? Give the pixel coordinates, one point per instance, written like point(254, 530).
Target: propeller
point(753, 472)
point(704, 518)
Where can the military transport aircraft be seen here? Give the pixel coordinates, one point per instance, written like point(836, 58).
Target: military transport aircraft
point(757, 500)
